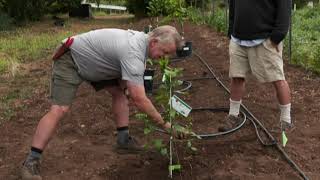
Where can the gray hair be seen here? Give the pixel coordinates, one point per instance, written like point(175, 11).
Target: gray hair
point(167, 34)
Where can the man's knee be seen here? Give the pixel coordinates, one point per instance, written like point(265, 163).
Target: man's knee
point(237, 80)
point(59, 110)
point(280, 84)
point(116, 91)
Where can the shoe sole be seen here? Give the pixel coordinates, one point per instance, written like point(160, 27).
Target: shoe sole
point(25, 175)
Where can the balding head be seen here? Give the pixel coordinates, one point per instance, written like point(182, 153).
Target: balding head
point(167, 34)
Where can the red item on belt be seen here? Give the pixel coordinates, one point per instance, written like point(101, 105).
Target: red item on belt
point(63, 48)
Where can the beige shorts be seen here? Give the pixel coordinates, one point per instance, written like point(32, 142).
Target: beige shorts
point(262, 61)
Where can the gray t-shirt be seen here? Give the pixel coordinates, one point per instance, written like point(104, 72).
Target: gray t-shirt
point(111, 54)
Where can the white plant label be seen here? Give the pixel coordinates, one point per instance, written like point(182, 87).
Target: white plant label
point(180, 106)
point(147, 77)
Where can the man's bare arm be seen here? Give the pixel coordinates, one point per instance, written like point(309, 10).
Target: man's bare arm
point(139, 98)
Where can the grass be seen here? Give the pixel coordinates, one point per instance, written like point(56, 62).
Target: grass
point(30, 44)
point(216, 20)
point(4, 64)
point(25, 46)
point(9, 105)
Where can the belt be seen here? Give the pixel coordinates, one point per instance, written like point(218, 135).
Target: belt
point(63, 49)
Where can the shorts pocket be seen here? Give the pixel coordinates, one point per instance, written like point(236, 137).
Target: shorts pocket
point(267, 44)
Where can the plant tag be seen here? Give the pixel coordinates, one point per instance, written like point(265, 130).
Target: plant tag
point(180, 106)
point(147, 77)
point(284, 139)
point(164, 78)
point(174, 167)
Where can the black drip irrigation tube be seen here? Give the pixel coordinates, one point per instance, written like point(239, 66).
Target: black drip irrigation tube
point(212, 135)
point(254, 121)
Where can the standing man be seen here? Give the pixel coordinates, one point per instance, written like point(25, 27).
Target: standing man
point(256, 29)
point(113, 59)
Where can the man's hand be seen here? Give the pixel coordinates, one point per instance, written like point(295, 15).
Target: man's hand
point(275, 46)
point(177, 131)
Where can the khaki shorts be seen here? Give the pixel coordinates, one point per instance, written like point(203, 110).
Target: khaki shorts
point(263, 61)
point(65, 80)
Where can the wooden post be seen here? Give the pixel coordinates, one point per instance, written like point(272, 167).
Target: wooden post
point(202, 6)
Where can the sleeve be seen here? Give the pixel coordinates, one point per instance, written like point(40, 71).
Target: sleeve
point(282, 20)
point(231, 17)
point(132, 69)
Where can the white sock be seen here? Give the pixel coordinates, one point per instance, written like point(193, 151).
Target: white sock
point(234, 107)
point(285, 113)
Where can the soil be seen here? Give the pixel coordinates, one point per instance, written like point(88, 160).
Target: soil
point(82, 147)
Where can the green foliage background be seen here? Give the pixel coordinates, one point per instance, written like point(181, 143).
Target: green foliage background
point(306, 38)
point(33, 10)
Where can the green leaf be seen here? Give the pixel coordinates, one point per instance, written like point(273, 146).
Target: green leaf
point(182, 129)
point(158, 144)
point(147, 131)
point(163, 64)
point(173, 113)
point(174, 167)
point(179, 128)
point(149, 61)
point(146, 146)
point(189, 144)
point(194, 149)
point(164, 151)
point(179, 82)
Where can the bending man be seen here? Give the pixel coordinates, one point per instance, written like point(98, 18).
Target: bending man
point(113, 59)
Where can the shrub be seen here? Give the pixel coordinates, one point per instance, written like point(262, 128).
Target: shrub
point(5, 22)
point(306, 38)
point(137, 7)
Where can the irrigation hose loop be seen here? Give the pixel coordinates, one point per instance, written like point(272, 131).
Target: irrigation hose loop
point(187, 85)
point(212, 135)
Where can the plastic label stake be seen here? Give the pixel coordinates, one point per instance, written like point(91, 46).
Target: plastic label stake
point(180, 106)
point(284, 139)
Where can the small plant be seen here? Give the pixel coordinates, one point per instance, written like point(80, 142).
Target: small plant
point(163, 99)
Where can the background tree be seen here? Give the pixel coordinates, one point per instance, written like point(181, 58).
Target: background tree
point(33, 10)
point(138, 7)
